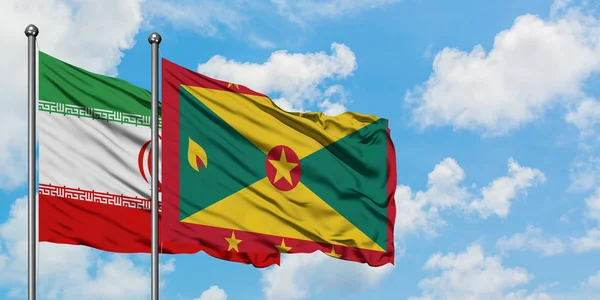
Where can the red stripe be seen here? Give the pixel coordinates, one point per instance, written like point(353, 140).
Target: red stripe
point(188, 77)
point(391, 192)
point(263, 243)
point(122, 230)
point(170, 150)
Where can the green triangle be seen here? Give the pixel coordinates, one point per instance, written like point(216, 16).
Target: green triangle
point(233, 162)
point(351, 176)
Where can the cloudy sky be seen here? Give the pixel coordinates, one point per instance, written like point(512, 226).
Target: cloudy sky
point(493, 107)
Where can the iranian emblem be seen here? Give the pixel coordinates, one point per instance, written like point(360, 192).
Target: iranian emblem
point(196, 156)
point(145, 162)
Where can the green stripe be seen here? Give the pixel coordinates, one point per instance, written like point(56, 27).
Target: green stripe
point(63, 83)
point(233, 162)
point(351, 176)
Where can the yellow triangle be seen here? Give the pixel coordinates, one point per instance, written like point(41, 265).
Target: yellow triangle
point(298, 214)
point(265, 125)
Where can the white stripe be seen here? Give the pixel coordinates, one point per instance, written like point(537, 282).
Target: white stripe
point(92, 154)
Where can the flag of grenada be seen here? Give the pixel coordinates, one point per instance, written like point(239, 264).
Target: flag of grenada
point(242, 175)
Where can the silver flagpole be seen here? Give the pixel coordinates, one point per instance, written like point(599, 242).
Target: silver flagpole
point(31, 32)
point(154, 39)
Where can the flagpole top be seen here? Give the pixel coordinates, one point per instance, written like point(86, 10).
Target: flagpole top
point(31, 30)
point(154, 38)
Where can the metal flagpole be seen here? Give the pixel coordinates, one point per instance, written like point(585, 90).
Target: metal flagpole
point(31, 32)
point(154, 39)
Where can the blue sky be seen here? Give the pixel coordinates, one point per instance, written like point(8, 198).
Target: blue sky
point(492, 107)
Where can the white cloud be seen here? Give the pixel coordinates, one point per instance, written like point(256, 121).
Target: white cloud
point(443, 184)
point(419, 211)
point(298, 78)
point(213, 293)
point(593, 206)
point(202, 16)
point(261, 42)
point(428, 51)
point(331, 109)
point(593, 282)
point(66, 271)
point(414, 214)
point(585, 174)
point(532, 66)
point(301, 11)
point(210, 18)
point(76, 31)
point(472, 275)
point(589, 242)
point(559, 6)
point(524, 295)
point(168, 266)
point(334, 101)
point(301, 275)
point(497, 196)
point(585, 116)
point(214, 18)
point(532, 239)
